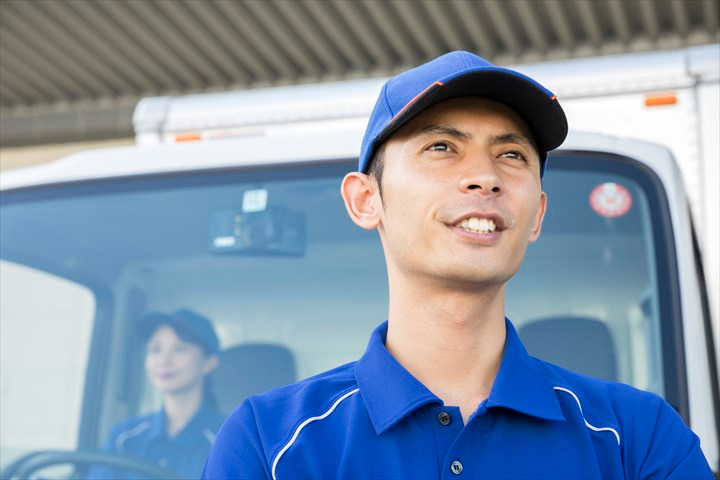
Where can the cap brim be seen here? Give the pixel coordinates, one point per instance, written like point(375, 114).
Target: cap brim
point(542, 113)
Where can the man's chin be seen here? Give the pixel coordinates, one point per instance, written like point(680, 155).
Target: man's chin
point(472, 280)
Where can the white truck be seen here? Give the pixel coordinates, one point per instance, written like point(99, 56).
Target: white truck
point(229, 204)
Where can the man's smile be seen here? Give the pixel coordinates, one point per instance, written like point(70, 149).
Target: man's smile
point(478, 225)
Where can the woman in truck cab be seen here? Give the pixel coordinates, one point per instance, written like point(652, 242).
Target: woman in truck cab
point(182, 350)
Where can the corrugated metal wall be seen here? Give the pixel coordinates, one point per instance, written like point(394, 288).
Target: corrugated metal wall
point(74, 69)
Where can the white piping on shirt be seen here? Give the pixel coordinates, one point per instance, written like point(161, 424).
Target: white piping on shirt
point(587, 424)
point(305, 424)
point(136, 430)
point(209, 435)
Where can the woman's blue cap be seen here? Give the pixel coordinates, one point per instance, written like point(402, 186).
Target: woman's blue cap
point(459, 74)
point(188, 324)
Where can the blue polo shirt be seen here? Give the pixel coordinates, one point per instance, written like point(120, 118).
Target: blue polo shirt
point(145, 438)
point(372, 419)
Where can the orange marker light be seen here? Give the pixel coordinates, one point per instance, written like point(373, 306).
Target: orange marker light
point(659, 99)
point(188, 137)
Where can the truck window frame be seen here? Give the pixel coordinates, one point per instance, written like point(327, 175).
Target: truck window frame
point(668, 282)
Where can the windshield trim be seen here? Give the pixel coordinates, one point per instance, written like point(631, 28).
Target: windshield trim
point(668, 279)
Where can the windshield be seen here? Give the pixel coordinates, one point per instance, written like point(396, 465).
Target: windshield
point(290, 285)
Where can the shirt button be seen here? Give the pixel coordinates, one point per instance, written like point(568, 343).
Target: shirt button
point(162, 462)
point(456, 467)
point(444, 418)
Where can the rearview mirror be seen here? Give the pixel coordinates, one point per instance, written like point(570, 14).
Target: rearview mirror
point(273, 231)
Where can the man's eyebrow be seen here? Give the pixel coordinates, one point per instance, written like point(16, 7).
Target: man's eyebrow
point(513, 138)
point(442, 130)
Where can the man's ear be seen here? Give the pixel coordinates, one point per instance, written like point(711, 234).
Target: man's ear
point(359, 192)
point(539, 217)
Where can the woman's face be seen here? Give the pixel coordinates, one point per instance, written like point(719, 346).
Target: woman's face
point(174, 365)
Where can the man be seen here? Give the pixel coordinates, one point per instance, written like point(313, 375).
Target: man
point(450, 176)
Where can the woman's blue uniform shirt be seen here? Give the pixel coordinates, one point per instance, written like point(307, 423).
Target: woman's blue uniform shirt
point(372, 419)
point(145, 438)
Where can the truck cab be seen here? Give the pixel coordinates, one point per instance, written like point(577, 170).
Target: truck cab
point(251, 232)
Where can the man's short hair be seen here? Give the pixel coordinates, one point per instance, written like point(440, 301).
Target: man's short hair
point(375, 169)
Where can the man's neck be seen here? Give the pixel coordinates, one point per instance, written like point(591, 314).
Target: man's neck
point(451, 341)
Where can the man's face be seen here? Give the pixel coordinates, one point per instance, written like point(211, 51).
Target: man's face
point(461, 194)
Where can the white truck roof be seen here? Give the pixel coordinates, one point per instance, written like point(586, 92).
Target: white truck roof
point(248, 112)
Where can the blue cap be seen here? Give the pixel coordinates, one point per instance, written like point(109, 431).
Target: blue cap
point(458, 74)
point(190, 326)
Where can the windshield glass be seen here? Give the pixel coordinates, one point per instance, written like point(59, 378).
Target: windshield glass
point(290, 286)
point(586, 297)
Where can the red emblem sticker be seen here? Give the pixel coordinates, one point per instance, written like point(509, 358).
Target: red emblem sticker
point(610, 200)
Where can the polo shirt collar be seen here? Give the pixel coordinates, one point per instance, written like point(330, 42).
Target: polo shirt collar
point(522, 383)
point(387, 388)
point(391, 393)
point(188, 436)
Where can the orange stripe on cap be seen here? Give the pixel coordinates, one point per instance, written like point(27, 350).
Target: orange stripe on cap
point(437, 83)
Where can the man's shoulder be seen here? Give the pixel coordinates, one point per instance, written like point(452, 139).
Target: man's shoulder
point(633, 413)
point(270, 418)
point(653, 437)
point(306, 397)
point(599, 393)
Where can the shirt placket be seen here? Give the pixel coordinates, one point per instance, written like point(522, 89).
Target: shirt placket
point(458, 462)
point(448, 426)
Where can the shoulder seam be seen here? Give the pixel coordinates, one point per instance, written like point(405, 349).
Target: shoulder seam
point(305, 423)
point(133, 432)
point(587, 424)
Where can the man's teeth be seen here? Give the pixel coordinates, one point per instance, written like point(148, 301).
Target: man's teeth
point(478, 225)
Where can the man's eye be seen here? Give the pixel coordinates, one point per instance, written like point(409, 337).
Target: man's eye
point(514, 154)
point(439, 147)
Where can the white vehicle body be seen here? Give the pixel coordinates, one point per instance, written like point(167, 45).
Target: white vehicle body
point(669, 98)
point(283, 128)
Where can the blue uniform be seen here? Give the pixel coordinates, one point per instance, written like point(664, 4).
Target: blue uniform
point(372, 419)
point(145, 438)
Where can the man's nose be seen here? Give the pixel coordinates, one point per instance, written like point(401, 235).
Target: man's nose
point(481, 176)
